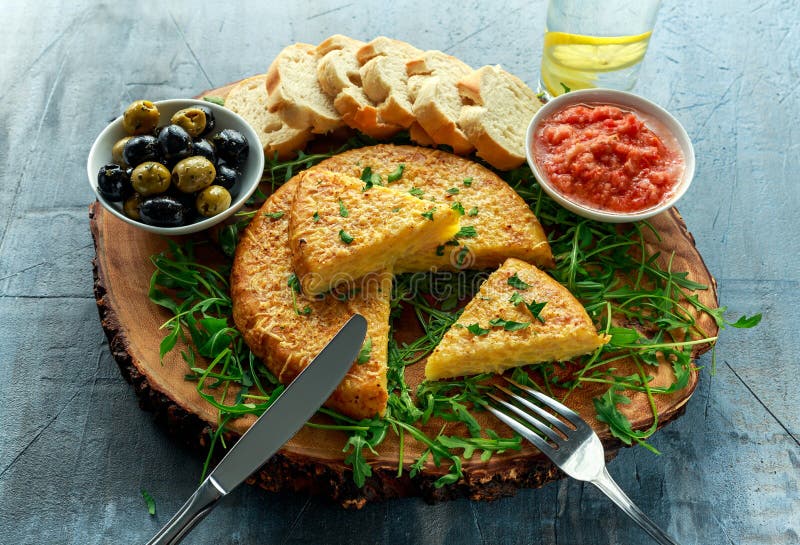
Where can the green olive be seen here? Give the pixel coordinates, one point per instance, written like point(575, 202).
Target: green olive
point(131, 206)
point(213, 200)
point(192, 120)
point(141, 117)
point(150, 178)
point(193, 174)
point(116, 152)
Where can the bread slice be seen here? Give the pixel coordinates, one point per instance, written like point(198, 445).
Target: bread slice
point(294, 92)
point(340, 230)
point(498, 331)
point(339, 77)
point(287, 329)
point(248, 98)
point(501, 108)
point(497, 222)
point(384, 78)
point(435, 97)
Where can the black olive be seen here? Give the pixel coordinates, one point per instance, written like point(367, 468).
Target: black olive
point(175, 142)
point(140, 149)
point(206, 149)
point(113, 182)
point(232, 147)
point(226, 175)
point(210, 122)
point(163, 211)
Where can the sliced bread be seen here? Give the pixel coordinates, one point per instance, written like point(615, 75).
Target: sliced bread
point(500, 107)
point(248, 98)
point(436, 102)
point(505, 326)
point(294, 92)
point(384, 78)
point(339, 77)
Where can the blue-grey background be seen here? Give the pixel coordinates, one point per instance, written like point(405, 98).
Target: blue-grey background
point(74, 447)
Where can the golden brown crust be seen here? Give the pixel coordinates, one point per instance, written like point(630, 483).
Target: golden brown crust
point(504, 223)
point(278, 328)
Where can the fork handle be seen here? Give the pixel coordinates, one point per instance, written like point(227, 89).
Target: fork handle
point(611, 489)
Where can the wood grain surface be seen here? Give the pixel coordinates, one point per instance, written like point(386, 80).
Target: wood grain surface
point(76, 450)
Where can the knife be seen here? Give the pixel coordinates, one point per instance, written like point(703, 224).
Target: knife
point(293, 407)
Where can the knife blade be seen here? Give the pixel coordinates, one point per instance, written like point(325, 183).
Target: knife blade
point(287, 414)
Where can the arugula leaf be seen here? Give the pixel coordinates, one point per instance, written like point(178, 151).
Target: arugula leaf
point(365, 352)
point(219, 101)
point(744, 322)
point(294, 283)
point(274, 215)
point(149, 501)
point(515, 282)
point(361, 469)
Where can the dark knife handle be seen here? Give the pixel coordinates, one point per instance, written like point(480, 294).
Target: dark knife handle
point(196, 507)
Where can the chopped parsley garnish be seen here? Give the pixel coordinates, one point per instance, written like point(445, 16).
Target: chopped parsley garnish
point(468, 181)
point(453, 191)
point(315, 217)
point(370, 178)
point(274, 215)
point(468, 231)
point(343, 209)
point(396, 174)
point(396, 209)
point(417, 192)
point(476, 329)
point(429, 213)
point(365, 352)
point(508, 325)
point(458, 207)
point(515, 282)
point(294, 283)
point(533, 307)
point(473, 211)
point(346, 238)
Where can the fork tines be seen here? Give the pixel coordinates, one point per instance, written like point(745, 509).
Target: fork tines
point(521, 414)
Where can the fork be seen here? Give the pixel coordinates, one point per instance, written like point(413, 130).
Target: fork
point(577, 452)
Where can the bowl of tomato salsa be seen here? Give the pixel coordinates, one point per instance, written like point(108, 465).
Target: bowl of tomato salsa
point(609, 155)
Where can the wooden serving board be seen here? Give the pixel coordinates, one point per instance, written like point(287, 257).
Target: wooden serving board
point(313, 460)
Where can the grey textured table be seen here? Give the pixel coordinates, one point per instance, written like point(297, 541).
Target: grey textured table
point(75, 449)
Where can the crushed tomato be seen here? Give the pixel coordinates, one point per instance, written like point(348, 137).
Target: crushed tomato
point(606, 158)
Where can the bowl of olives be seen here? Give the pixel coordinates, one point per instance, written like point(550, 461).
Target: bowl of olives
point(175, 166)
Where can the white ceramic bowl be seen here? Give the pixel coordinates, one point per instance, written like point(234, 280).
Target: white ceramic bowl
point(100, 154)
point(655, 117)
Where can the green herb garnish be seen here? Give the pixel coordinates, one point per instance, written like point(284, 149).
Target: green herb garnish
point(429, 214)
point(467, 181)
point(417, 192)
point(467, 231)
point(453, 191)
point(346, 238)
point(219, 101)
point(150, 502)
point(458, 208)
point(396, 174)
point(508, 325)
point(365, 352)
point(515, 282)
point(473, 211)
point(274, 215)
point(476, 329)
point(315, 217)
point(343, 209)
point(370, 179)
